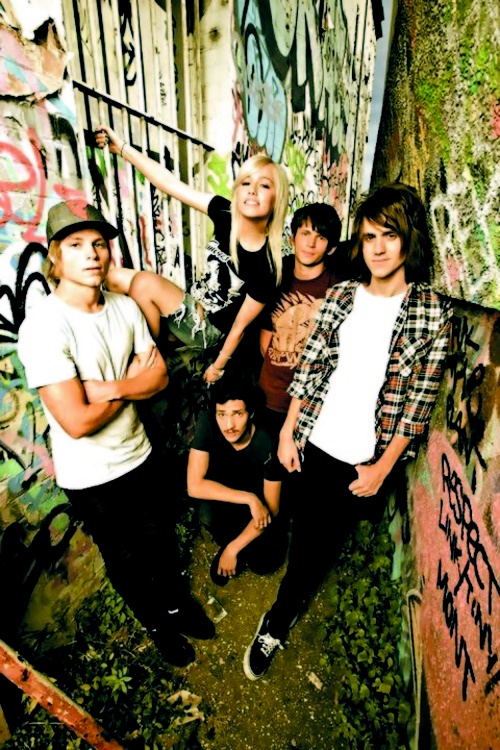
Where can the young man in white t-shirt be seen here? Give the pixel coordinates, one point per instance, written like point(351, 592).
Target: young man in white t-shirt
point(362, 397)
point(91, 356)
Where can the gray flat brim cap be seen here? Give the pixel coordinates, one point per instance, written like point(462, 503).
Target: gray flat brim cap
point(68, 217)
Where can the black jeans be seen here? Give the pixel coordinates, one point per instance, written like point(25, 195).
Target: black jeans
point(134, 528)
point(226, 521)
point(324, 514)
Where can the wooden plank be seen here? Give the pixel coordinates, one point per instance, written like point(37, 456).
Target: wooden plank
point(41, 689)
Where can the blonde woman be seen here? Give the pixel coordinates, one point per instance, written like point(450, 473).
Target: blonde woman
point(243, 260)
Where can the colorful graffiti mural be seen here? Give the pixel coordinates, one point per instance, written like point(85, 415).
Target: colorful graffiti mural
point(465, 223)
point(297, 83)
point(40, 165)
point(439, 132)
point(35, 162)
point(449, 549)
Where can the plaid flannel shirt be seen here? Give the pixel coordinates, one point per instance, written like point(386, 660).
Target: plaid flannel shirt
point(418, 349)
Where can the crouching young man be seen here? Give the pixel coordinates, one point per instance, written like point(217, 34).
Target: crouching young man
point(232, 465)
point(362, 396)
point(90, 354)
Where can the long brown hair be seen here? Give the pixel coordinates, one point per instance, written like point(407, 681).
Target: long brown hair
point(398, 207)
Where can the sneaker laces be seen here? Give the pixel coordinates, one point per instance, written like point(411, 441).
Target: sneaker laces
point(269, 644)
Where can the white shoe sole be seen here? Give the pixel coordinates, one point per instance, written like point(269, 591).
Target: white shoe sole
point(246, 659)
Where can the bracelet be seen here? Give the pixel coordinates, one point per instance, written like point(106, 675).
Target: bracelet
point(121, 150)
point(221, 372)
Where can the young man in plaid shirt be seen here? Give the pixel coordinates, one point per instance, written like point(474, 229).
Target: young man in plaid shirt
point(362, 397)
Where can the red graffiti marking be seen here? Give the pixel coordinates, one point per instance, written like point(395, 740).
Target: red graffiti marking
point(495, 120)
point(32, 179)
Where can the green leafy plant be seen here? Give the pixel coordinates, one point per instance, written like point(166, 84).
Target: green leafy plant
point(116, 674)
point(371, 706)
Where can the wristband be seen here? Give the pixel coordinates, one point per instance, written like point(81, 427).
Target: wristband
point(121, 150)
point(217, 370)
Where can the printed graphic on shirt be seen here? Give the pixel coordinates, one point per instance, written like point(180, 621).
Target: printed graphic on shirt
point(220, 284)
point(291, 321)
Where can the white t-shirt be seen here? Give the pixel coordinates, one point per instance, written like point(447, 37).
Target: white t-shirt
point(58, 342)
point(345, 428)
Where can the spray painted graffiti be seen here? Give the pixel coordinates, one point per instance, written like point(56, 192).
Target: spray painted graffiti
point(460, 610)
point(298, 65)
point(33, 175)
point(452, 559)
point(128, 44)
point(39, 166)
point(290, 45)
point(465, 229)
point(465, 415)
point(474, 574)
point(26, 282)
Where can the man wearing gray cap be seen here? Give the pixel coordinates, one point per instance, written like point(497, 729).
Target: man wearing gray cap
point(91, 356)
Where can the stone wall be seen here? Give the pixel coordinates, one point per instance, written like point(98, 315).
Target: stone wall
point(440, 132)
point(40, 164)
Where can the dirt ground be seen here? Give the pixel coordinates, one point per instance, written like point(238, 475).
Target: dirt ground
point(291, 706)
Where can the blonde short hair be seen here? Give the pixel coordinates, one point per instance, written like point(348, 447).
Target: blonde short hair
point(50, 263)
point(276, 220)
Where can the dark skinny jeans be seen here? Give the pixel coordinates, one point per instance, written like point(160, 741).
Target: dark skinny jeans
point(134, 528)
point(325, 512)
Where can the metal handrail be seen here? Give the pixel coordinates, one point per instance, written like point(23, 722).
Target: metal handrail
point(85, 89)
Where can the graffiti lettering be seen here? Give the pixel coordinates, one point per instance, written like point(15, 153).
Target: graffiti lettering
point(475, 575)
point(26, 176)
point(464, 402)
point(128, 46)
point(16, 299)
point(451, 618)
point(159, 234)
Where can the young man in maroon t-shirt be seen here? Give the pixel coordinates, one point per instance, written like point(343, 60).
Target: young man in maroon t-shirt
point(306, 277)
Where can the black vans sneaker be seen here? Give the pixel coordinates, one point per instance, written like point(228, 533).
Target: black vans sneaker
point(260, 653)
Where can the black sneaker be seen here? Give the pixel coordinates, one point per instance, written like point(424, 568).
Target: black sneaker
point(190, 619)
point(173, 647)
point(260, 653)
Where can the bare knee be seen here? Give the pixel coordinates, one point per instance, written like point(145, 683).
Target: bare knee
point(149, 288)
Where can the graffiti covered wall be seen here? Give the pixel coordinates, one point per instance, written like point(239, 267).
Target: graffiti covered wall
point(303, 89)
point(451, 549)
point(40, 165)
point(439, 132)
point(300, 92)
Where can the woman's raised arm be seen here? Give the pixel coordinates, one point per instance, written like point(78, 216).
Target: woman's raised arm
point(158, 175)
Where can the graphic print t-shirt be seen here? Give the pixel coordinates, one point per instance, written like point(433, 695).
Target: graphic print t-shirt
point(290, 322)
point(221, 290)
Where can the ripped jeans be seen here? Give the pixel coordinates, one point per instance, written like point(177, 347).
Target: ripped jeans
point(188, 326)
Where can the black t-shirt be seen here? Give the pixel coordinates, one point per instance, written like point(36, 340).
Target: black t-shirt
point(222, 289)
point(244, 469)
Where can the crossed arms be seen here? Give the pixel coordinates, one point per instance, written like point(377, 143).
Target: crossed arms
point(84, 407)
